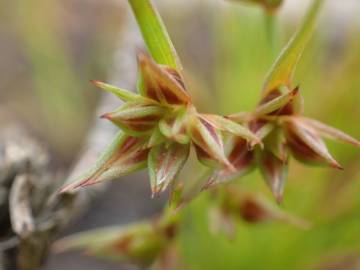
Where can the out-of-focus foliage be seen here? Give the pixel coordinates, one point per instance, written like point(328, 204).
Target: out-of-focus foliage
point(50, 50)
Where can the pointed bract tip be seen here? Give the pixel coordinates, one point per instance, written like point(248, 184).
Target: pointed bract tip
point(142, 56)
point(96, 83)
point(295, 91)
point(67, 188)
point(77, 185)
point(86, 183)
point(63, 190)
point(106, 116)
point(336, 165)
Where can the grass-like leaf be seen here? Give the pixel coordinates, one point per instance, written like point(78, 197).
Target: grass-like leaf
point(123, 94)
point(281, 73)
point(154, 33)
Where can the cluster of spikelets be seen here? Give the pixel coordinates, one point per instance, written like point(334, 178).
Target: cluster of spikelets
point(160, 125)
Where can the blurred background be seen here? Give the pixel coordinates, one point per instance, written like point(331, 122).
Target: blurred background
point(49, 51)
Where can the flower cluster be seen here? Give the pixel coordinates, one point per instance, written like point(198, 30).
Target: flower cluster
point(279, 123)
point(159, 125)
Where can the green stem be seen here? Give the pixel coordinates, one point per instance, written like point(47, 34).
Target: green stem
point(154, 33)
point(270, 30)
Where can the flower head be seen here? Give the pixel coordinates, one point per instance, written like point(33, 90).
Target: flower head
point(292, 134)
point(277, 120)
point(159, 124)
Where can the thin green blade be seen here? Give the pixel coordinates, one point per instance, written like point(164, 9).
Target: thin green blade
point(281, 73)
point(154, 33)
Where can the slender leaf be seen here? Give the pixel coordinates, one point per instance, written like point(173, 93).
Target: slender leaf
point(154, 33)
point(281, 73)
point(123, 94)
